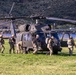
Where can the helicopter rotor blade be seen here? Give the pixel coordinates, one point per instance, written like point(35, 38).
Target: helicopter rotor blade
point(60, 19)
point(13, 18)
point(40, 17)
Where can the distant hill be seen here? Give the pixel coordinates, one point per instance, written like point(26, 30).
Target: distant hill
point(54, 8)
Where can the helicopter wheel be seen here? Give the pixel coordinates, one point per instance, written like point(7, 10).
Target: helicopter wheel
point(25, 51)
point(55, 50)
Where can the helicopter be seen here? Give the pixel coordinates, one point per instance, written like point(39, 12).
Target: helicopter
point(27, 31)
point(43, 30)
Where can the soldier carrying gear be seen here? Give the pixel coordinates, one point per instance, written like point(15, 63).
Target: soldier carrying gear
point(49, 45)
point(70, 43)
point(35, 44)
point(18, 46)
point(2, 48)
point(19, 43)
point(12, 44)
point(54, 41)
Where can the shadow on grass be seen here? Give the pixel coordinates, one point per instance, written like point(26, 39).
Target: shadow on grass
point(59, 54)
point(47, 53)
point(66, 54)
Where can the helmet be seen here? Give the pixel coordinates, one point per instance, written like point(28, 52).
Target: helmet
point(0, 35)
point(37, 36)
point(12, 35)
point(71, 37)
point(52, 37)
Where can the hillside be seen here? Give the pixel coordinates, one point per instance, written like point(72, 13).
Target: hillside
point(54, 8)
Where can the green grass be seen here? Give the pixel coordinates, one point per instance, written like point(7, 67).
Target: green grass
point(41, 64)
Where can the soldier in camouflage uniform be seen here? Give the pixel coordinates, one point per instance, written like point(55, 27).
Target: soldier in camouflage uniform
point(2, 48)
point(12, 42)
point(70, 43)
point(35, 44)
point(49, 45)
point(18, 47)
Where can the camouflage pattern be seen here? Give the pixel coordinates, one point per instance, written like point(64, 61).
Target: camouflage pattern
point(2, 48)
point(70, 43)
point(35, 45)
point(12, 44)
point(18, 47)
point(49, 45)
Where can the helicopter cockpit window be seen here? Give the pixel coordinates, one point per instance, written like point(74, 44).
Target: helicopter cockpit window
point(28, 27)
point(27, 37)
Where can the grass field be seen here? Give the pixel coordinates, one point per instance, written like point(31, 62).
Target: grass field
point(41, 64)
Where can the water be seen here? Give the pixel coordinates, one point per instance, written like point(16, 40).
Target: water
point(7, 35)
point(66, 36)
point(60, 35)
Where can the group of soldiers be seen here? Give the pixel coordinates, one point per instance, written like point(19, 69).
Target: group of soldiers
point(52, 41)
point(49, 42)
point(11, 42)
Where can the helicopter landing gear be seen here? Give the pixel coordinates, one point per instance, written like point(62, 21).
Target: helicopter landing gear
point(25, 50)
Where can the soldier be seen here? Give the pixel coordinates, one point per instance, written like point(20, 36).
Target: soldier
point(70, 43)
point(18, 46)
point(49, 45)
point(35, 44)
point(12, 44)
point(2, 48)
